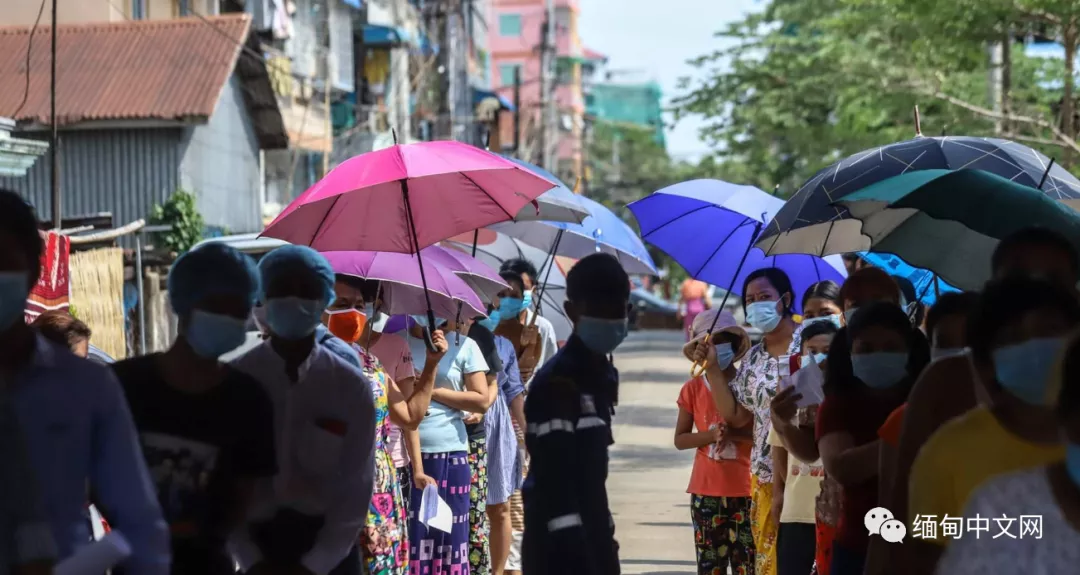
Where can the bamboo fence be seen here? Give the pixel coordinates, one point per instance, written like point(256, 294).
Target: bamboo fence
point(97, 297)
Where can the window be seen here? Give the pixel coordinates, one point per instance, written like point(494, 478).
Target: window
point(138, 9)
point(510, 25)
point(564, 72)
point(506, 74)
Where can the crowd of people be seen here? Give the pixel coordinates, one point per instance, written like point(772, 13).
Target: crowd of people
point(317, 447)
point(951, 422)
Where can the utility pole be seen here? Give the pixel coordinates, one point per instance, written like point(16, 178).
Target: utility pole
point(547, 87)
point(54, 137)
point(517, 111)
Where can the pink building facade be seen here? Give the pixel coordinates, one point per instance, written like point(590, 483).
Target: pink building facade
point(514, 41)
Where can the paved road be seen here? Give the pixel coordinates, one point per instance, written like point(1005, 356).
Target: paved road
point(647, 483)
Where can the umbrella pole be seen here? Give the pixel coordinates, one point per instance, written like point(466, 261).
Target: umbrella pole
point(420, 261)
point(699, 368)
point(457, 321)
point(547, 276)
point(1045, 174)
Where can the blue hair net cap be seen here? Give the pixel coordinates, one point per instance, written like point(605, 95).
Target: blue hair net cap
point(288, 260)
point(210, 270)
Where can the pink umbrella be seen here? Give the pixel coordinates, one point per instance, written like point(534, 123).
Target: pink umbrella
point(407, 197)
point(402, 288)
point(479, 276)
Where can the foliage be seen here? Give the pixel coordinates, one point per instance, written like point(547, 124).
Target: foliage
point(180, 212)
point(803, 83)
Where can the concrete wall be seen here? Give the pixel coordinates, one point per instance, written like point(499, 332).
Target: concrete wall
point(24, 12)
point(220, 165)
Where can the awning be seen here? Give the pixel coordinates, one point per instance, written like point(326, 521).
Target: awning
point(376, 35)
point(480, 94)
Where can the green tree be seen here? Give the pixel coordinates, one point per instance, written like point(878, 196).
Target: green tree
point(806, 82)
point(186, 223)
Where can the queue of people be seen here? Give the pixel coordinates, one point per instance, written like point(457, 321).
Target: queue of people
point(966, 411)
point(311, 448)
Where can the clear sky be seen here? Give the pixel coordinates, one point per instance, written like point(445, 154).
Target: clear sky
point(656, 38)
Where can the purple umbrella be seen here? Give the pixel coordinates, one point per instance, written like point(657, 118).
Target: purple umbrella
point(479, 276)
point(709, 227)
point(403, 290)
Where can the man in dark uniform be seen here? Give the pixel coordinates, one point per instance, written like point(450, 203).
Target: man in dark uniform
point(569, 529)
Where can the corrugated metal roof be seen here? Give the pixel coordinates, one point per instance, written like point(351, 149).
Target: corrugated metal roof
point(139, 70)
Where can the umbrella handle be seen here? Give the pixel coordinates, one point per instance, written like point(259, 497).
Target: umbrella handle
point(698, 369)
point(431, 327)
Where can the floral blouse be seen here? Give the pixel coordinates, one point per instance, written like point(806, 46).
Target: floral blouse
point(754, 387)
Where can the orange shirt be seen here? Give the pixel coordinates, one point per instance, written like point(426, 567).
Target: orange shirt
point(889, 432)
point(719, 470)
point(693, 289)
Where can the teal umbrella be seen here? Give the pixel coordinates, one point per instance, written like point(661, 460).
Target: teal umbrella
point(949, 222)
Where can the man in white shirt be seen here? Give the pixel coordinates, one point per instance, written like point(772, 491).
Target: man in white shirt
point(306, 520)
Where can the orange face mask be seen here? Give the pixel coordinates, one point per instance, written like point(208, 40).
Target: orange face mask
point(347, 324)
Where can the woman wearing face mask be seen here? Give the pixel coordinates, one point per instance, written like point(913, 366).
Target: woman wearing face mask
point(720, 481)
point(384, 539)
point(186, 401)
point(886, 353)
point(460, 387)
point(797, 476)
point(745, 395)
point(946, 325)
point(821, 302)
point(1016, 334)
point(1050, 492)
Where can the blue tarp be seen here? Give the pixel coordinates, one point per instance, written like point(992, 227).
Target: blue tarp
point(480, 94)
point(358, 4)
point(376, 35)
point(923, 280)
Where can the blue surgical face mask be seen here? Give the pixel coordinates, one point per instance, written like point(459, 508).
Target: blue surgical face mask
point(834, 318)
point(510, 307)
point(850, 313)
point(724, 355)
point(526, 301)
point(1072, 462)
point(813, 359)
point(293, 317)
point(13, 289)
point(763, 315)
point(943, 352)
point(880, 370)
point(212, 335)
point(602, 336)
point(491, 321)
point(1024, 369)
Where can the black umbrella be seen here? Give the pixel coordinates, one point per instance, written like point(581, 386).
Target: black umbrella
point(811, 223)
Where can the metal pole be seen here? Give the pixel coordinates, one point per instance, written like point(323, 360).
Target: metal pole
point(517, 111)
point(54, 159)
point(142, 294)
point(549, 87)
point(542, 125)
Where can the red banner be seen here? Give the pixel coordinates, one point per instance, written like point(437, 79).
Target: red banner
point(53, 289)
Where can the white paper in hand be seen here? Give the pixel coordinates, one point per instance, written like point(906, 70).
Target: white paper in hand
point(97, 557)
point(809, 383)
point(434, 512)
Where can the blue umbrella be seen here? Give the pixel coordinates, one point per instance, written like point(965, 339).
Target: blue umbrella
point(602, 231)
point(923, 280)
point(709, 227)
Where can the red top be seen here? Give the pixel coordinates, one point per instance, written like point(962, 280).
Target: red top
point(720, 470)
point(861, 417)
point(889, 432)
